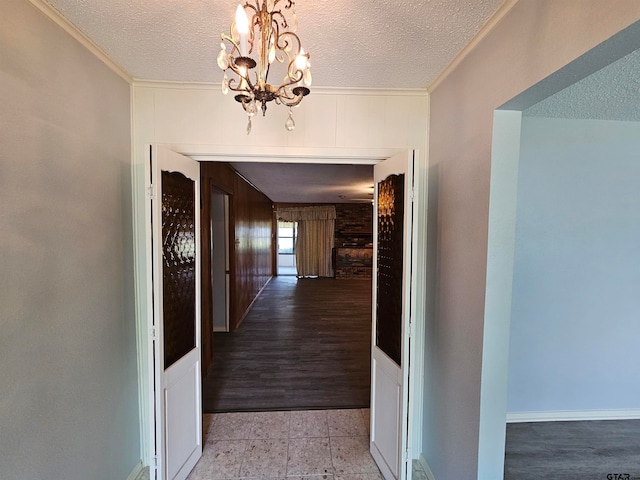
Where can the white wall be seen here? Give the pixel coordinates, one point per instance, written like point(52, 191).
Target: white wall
point(462, 434)
point(68, 375)
point(199, 115)
point(331, 125)
point(576, 309)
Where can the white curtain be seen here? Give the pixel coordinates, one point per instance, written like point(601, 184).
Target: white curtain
point(314, 244)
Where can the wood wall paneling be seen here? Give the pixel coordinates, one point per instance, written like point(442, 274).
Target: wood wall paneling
point(220, 176)
point(253, 246)
point(250, 223)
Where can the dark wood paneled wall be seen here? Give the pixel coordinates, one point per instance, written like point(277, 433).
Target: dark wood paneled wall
point(251, 247)
point(252, 213)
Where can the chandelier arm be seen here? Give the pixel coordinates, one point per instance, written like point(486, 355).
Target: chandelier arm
point(255, 8)
point(235, 81)
point(289, 101)
point(282, 21)
point(236, 86)
point(283, 41)
point(296, 44)
point(292, 79)
point(276, 40)
point(235, 69)
point(236, 47)
point(276, 30)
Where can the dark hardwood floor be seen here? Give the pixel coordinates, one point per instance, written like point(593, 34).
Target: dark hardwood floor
point(305, 344)
point(584, 450)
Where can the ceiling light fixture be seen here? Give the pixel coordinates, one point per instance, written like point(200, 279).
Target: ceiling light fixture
point(269, 34)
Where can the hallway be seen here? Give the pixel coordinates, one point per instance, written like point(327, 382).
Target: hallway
point(305, 344)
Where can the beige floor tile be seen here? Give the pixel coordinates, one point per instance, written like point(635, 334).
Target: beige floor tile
point(231, 426)
point(351, 455)
point(309, 456)
point(308, 423)
point(366, 415)
point(343, 423)
point(208, 420)
point(310, 477)
point(360, 476)
point(220, 460)
point(270, 425)
point(254, 446)
point(265, 458)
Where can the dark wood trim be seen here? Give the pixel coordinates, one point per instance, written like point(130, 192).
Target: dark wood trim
point(205, 256)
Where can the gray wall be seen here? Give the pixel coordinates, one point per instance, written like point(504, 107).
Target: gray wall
point(575, 307)
point(465, 406)
point(68, 376)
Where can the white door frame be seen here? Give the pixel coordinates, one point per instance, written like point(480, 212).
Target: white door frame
point(319, 155)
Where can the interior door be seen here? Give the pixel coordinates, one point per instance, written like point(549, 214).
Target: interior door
point(220, 265)
point(175, 207)
point(393, 207)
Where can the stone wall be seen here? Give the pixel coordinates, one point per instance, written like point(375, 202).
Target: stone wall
point(353, 240)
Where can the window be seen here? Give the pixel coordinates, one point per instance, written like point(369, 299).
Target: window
point(287, 238)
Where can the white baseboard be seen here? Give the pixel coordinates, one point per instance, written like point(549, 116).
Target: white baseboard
point(425, 467)
point(573, 415)
point(137, 470)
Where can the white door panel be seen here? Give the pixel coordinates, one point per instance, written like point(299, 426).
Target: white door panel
point(385, 421)
point(175, 225)
point(391, 314)
point(182, 431)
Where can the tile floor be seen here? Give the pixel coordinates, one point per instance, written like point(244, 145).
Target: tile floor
point(314, 444)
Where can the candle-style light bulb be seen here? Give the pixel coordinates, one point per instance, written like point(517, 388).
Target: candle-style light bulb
point(301, 60)
point(242, 24)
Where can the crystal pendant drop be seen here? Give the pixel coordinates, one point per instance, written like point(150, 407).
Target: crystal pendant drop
point(290, 124)
point(225, 84)
point(251, 108)
point(223, 59)
point(307, 77)
point(293, 24)
point(249, 126)
point(272, 51)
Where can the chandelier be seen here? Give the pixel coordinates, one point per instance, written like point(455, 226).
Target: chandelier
point(269, 35)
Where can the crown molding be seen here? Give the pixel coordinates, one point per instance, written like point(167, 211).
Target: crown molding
point(398, 92)
point(77, 34)
point(489, 25)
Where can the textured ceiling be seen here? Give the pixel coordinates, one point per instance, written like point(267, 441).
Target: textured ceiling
point(612, 93)
point(357, 43)
point(310, 183)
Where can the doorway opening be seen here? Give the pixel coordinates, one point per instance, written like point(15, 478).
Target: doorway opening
point(560, 193)
point(220, 268)
point(266, 239)
point(287, 234)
